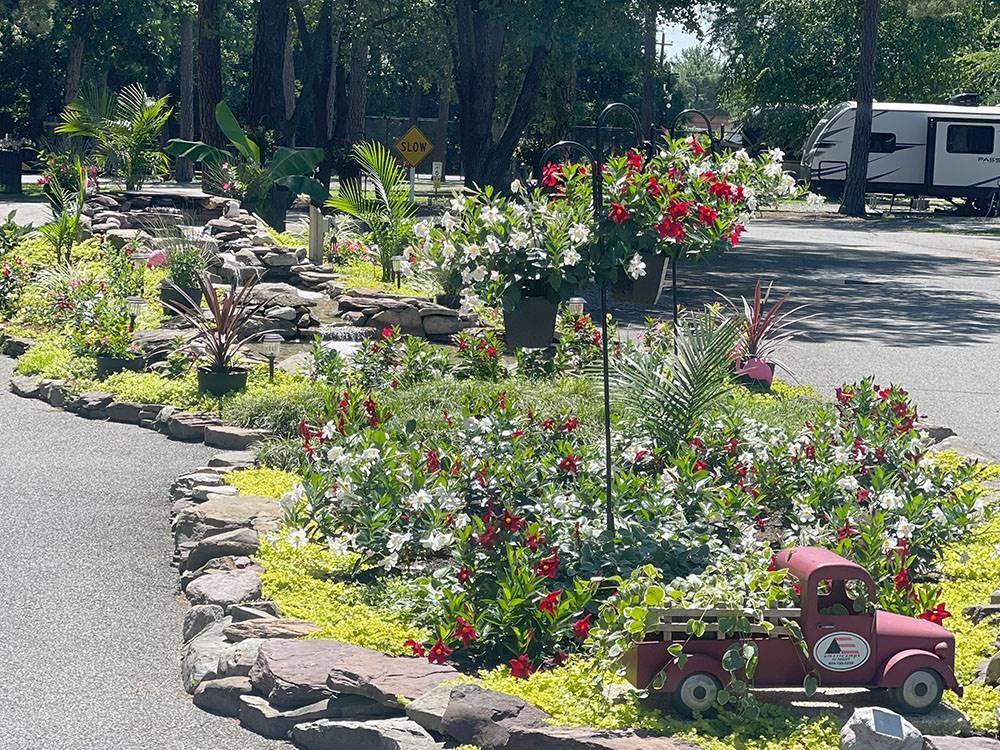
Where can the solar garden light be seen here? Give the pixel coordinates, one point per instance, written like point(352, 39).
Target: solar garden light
point(135, 305)
point(269, 344)
point(575, 305)
point(397, 268)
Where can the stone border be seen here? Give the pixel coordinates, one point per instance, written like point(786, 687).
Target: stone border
point(242, 659)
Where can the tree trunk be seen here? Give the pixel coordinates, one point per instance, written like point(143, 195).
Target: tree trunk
point(440, 152)
point(288, 79)
point(647, 114)
point(184, 169)
point(209, 69)
point(266, 106)
point(857, 171)
point(477, 49)
point(358, 99)
point(74, 64)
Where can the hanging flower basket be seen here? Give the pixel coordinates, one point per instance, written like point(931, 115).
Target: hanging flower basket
point(110, 364)
point(532, 325)
point(646, 289)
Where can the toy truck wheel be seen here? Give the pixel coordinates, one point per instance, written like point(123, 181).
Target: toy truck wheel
point(697, 692)
point(920, 692)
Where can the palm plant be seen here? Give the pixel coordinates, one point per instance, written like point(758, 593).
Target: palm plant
point(389, 212)
point(125, 127)
point(221, 331)
point(763, 329)
point(664, 393)
point(12, 234)
point(67, 208)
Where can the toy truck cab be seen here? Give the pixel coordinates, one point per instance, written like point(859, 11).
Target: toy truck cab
point(850, 643)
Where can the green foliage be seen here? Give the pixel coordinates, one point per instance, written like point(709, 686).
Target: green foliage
point(55, 360)
point(480, 356)
point(12, 234)
point(278, 408)
point(281, 453)
point(389, 213)
point(360, 274)
point(397, 360)
point(304, 583)
point(261, 481)
point(125, 127)
point(63, 231)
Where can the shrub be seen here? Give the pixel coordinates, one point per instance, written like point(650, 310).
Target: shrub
point(278, 407)
point(285, 454)
point(397, 360)
point(51, 359)
point(480, 356)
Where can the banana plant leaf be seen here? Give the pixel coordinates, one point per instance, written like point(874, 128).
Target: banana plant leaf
point(312, 187)
point(293, 161)
point(196, 151)
point(230, 128)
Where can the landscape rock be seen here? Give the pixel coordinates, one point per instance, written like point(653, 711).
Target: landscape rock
point(225, 589)
point(484, 718)
point(379, 734)
point(237, 542)
point(190, 426)
point(441, 325)
point(201, 493)
point(428, 709)
point(965, 448)
point(292, 673)
point(233, 460)
point(224, 513)
point(238, 658)
point(386, 679)
point(124, 411)
point(222, 696)
point(583, 738)
point(960, 743)
point(200, 656)
point(26, 386)
point(199, 618)
point(265, 609)
point(259, 716)
point(233, 438)
point(14, 346)
point(271, 627)
point(859, 733)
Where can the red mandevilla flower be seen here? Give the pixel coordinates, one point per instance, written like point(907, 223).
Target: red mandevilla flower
point(653, 187)
point(546, 567)
point(463, 575)
point(581, 628)
point(511, 522)
point(568, 464)
point(618, 213)
point(521, 667)
point(734, 236)
point(550, 174)
point(549, 602)
point(700, 465)
point(634, 160)
point(678, 209)
point(936, 614)
point(416, 647)
point(571, 424)
point(387, 332)
point(696, 148)
point(707, 214)
point(439, 652)
point(534, 541)
point(464, 631)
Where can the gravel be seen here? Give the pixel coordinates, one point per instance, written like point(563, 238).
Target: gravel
point(91, 620)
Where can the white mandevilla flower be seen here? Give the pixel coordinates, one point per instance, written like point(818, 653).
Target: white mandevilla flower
point(390, 561)
point(904, 528)
point(579, 233)
point(491, 245)
point(458, 204)
point(491, 215)
point(519, 240)
point(422, 229)
point(479, 273)
point(516, 187)
point(462, 520)
point(371, 454)
point(338, 545)
point(297, 538)
point(437, 540)
point(419, 500)
point(636, 267)
point(472, 251)
point(571, 257)
point(848, 484)
point(938, 515)
point(815, 199)
point(890, 500)
point(449, 222)
point(805, 513)
point(397, 541)
point(776, 154)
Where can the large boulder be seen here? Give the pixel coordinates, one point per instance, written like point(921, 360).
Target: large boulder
point(860, 733)
point(293, 673)
point(271, 627)
point(222, 696)
point(380, 734)
point(238, 658)
point(225, 589)
point(259, 716)
point(222, 513)
point(386, 679)
point(485, 718)
point(233, 438)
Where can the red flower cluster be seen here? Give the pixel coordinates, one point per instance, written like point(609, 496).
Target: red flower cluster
point(936, 614)
point(618, 213)
point(521, 667)
point(549, 601)
point(569, 464)
point(464, 631)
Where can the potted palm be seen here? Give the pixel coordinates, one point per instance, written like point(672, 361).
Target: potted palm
point(220, 332)
point(526, 254)
point(184, 263)
point(764, 328)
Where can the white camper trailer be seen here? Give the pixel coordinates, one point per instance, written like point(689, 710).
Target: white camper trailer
point(941, 150)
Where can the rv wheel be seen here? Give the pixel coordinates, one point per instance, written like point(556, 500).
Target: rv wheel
point(920, 692)
point(696, 693)
point(987, 205)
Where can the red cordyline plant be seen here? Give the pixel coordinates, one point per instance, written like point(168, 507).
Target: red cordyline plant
point(221, 332)
point(764, 329)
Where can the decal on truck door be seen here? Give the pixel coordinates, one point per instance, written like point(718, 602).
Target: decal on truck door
point(841, 652)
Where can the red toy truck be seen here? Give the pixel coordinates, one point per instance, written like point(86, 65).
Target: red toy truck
point(912, 658)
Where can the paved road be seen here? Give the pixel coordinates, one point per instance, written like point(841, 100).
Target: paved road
point(89, 615)
point(918, 308)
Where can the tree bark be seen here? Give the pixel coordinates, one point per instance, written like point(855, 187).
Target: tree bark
point(857, 171)
point(74, 64)
point(477, 43)
point(266, 106)
point(184, 169)
point(440, 138)
point(647, 112)
point(209, 69)
point(288, 80)
point(358, 99)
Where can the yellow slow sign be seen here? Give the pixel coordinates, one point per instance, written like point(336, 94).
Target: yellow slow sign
point(414, 146)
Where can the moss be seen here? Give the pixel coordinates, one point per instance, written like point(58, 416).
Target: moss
point(263, 482)
point(569, 694)
point(303, 583)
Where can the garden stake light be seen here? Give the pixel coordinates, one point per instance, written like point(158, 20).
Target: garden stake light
point(135, 305)
point(269, 346)
point(596, 160)
point(575, 305)
point(397, 268)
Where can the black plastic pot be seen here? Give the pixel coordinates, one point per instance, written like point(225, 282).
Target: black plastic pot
point(646, 289)
point(109, 364)
point(532, 325)
point(448, 300)
point(171, 293)
point(221, 382)
point(10, 171)
point(279, 200)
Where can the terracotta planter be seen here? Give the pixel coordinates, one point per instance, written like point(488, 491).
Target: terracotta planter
point(755, 374)
point(532, 325)
point(221, 382)
point(646, 289)
point(172, 294)
point(109, 364)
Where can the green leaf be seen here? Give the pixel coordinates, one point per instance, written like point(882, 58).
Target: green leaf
point(675, 649)
point(723, 697)
point(237, 136)
point(309, 185)
point(654, 596)
point(196, 151)
point(810, 684)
